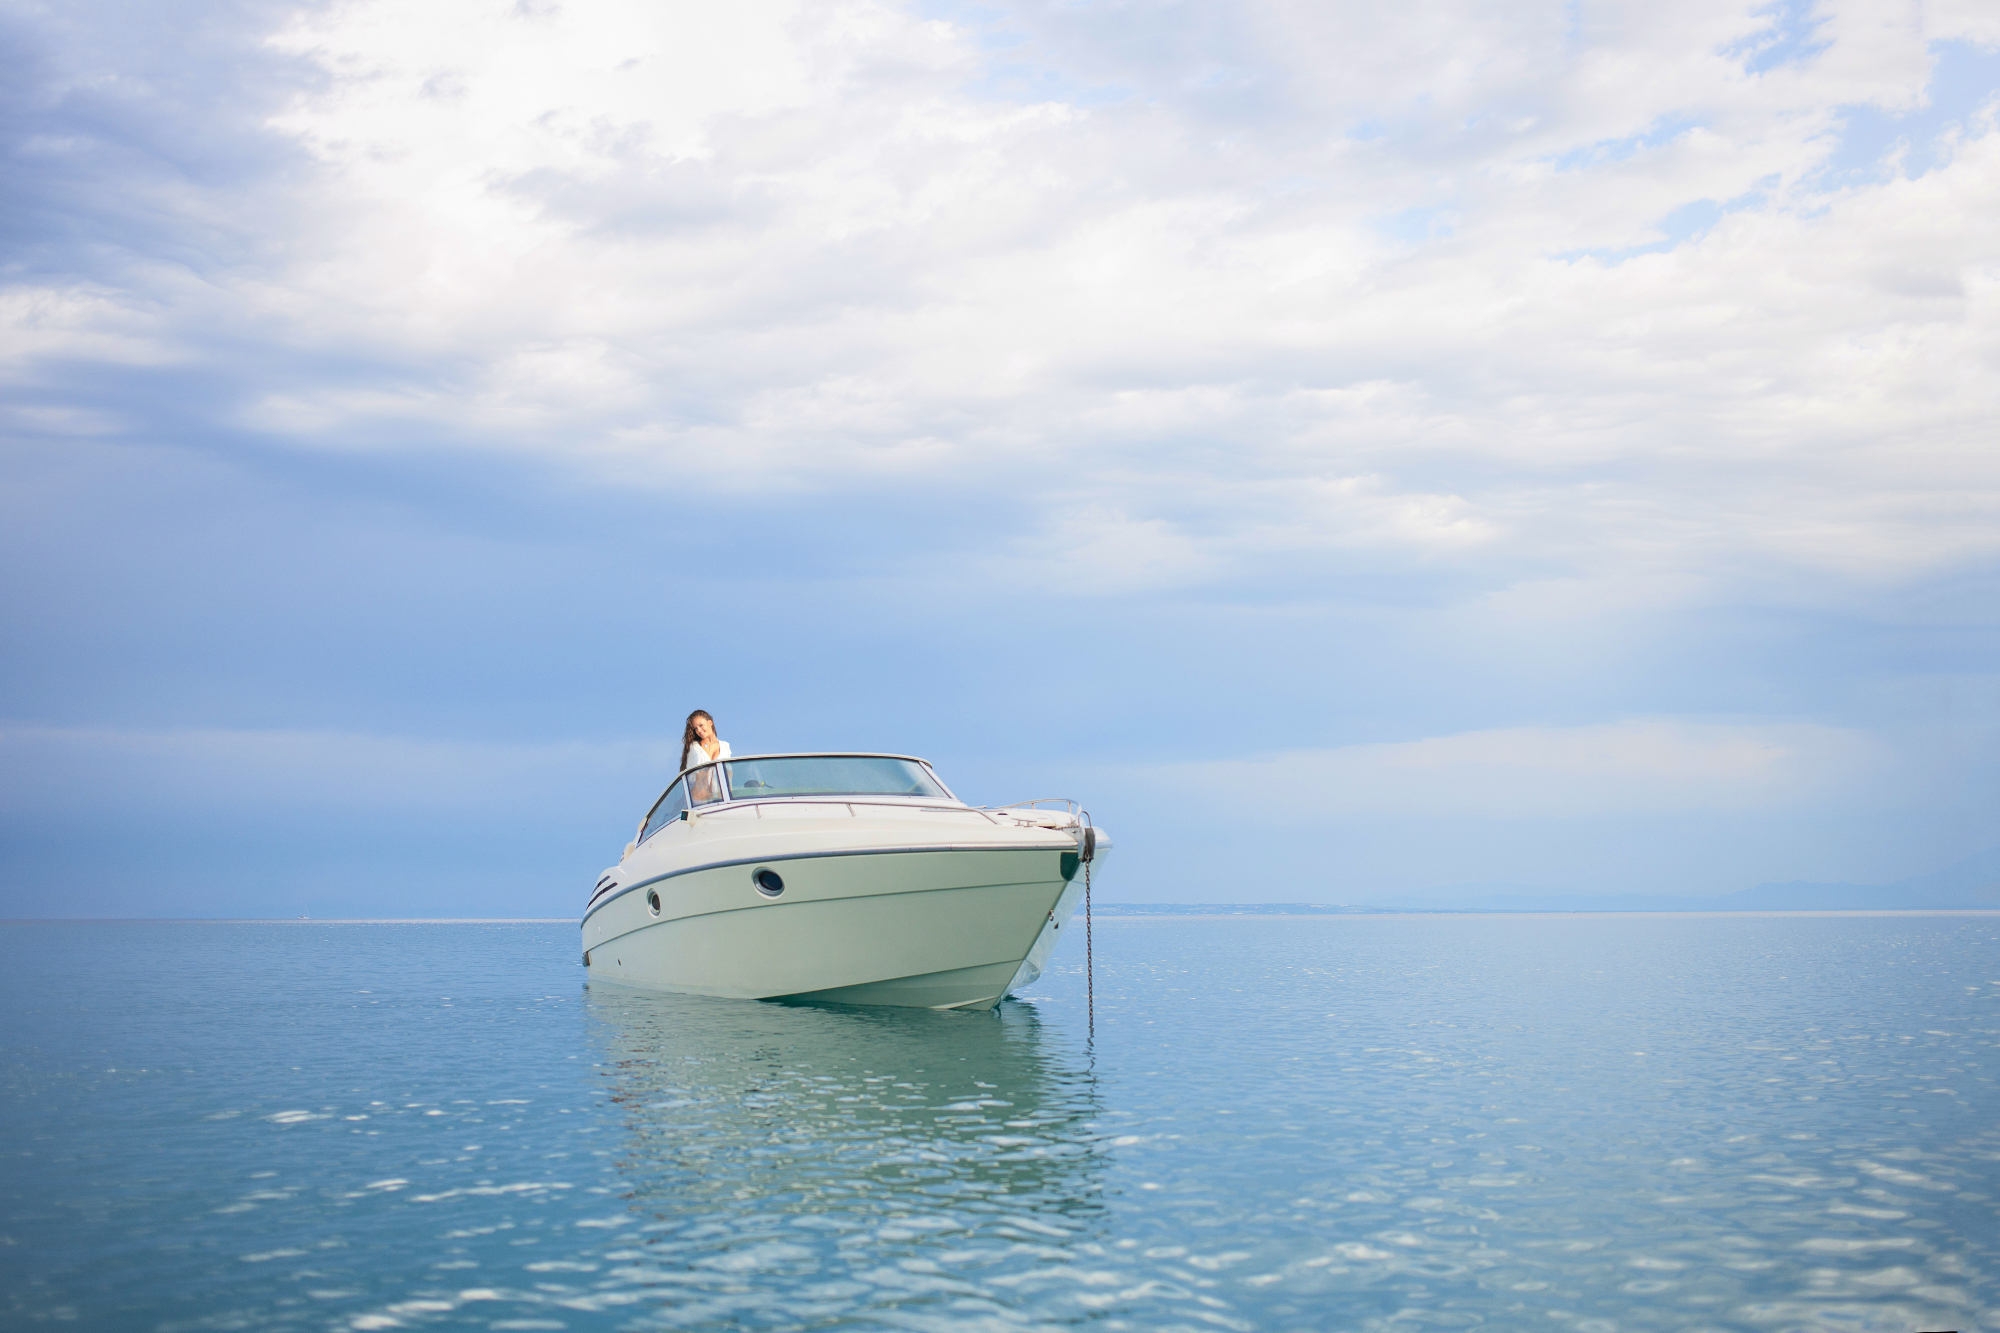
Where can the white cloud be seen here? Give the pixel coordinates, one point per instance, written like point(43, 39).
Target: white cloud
point(132, 772)
point(1658, 767)
point(1210, 298)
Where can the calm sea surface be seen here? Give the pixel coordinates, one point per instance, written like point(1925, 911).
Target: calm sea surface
point(1592, 1123)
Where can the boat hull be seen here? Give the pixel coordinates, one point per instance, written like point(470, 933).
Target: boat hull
point(1037, 961)
point(937, 929)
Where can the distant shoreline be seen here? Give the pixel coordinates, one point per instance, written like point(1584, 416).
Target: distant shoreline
point(1194, 911)
point(1117, 911)
point(288, 920)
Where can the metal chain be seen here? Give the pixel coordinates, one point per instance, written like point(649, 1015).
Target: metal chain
point(1089, 943)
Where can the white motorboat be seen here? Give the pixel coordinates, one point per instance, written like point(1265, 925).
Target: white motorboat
point(855, 878)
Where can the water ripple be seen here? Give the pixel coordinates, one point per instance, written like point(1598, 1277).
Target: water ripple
point(1601, 1125)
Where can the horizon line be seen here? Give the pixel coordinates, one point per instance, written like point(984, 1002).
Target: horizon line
point(1183, 910)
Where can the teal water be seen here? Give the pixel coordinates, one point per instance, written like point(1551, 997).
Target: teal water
point(1593, 1123)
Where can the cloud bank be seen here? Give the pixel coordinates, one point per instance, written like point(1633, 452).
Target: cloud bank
point(1416, 393)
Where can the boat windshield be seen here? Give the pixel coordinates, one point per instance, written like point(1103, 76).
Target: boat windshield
point(831, 775)
point(667, 810)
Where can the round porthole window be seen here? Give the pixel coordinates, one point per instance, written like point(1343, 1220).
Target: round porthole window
point(768, 883)
point(653, 901)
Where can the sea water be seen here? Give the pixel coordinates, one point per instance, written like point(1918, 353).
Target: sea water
point(1589, 1123)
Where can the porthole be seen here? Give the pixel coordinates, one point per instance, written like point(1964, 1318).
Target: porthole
point(653, 901)
point(768, 882)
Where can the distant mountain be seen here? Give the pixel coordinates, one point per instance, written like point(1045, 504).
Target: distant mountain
point(1479, 898)
point(1973, 882)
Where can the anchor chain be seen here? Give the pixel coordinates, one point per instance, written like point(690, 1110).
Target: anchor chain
point(1087, 852)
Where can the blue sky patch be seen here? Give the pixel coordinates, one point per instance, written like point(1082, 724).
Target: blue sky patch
point(1878, 144)
point(1688, 222)
point(1792, 38)
point(1429, 222)
point(1662, 131)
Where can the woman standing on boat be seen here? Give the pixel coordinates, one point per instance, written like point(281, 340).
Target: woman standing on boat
point(700, 745)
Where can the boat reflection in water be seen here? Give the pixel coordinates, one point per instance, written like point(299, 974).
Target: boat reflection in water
point(810, 1165)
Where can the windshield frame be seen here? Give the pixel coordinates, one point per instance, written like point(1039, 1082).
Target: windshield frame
point(647, 829)
point(730, 797)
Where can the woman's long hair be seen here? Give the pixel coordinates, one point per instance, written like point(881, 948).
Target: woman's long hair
point(688, 737)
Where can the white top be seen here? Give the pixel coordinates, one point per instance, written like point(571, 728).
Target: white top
point(694, 754)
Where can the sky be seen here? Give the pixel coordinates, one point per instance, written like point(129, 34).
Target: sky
point(1356, 450)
